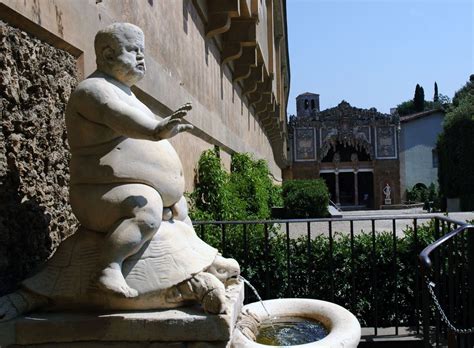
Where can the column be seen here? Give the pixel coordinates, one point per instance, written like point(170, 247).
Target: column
point(356, 188)
point(337, 188)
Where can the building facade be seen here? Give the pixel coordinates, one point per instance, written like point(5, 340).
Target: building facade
point(354, 150)
point(418, 155)
point(228, 58)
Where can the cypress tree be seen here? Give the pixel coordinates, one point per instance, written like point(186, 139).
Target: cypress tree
point(419, 99)
point(436, 96)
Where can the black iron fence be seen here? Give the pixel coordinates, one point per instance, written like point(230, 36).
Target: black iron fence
point(367, 264)
point(447, 268)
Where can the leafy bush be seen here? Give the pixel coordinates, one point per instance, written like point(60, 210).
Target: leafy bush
point(212, 198)
point(430, 196)
point(305, 198)
point(250, 182)
point(347, 272)
point(246, 193)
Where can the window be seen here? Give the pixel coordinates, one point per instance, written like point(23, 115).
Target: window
point(434, 156)
point(313, 105)
point(306, 104)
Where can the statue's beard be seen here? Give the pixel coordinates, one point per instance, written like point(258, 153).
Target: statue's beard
point(126, 73)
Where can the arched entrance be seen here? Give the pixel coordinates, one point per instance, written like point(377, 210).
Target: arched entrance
point(348, 172)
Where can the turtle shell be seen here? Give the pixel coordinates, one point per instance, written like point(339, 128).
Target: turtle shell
point(173, 255)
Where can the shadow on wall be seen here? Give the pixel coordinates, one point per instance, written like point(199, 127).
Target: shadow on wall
point(35, 215)
point(24, 229)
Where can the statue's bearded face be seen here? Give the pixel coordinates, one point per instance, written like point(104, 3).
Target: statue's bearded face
point(127, 63)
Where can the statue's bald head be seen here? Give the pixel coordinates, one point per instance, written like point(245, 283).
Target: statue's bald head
point(111, 42)
point(115, 36)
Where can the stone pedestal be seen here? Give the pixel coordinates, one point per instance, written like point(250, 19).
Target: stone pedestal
point(181, 327)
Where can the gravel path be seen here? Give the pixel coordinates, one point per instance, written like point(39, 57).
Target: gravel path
point(317, 228)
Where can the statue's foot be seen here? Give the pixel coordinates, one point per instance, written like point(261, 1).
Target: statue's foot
point(112, 280)
point(7, 310)
point(12, 305)
point(19, 302)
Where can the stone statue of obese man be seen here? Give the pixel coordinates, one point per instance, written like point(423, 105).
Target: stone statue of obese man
point(136, 243)
point(125, 176)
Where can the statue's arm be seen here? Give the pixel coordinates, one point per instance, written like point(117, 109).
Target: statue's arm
point(104, 107)
point(128, 120)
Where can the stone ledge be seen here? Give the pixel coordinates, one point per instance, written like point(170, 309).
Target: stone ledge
point(181, 327)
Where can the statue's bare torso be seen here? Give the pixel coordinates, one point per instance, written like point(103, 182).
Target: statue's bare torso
point(101, 155)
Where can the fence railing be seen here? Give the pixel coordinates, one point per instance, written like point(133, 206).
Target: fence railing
point(368, 264)
point(447, 268)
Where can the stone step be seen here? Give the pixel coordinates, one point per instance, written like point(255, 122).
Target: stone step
point(386, 338)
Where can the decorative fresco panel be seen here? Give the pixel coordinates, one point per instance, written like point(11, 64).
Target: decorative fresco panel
point(304, 144)
point(386, 145)
point(327, 133)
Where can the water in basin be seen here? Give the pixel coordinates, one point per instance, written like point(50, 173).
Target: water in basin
point(290, 331)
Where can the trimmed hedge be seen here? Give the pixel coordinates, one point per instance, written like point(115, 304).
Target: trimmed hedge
point(320, 276)
point(305, 198)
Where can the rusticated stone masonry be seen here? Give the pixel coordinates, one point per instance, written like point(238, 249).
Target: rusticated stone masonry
point(36, 80)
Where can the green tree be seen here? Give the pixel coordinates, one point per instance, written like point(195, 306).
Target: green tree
point(419, 98)
point(436, 95)
point(456, 146)
point(406, 108)
point(246, 193)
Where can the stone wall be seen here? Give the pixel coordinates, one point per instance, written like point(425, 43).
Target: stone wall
point(183, 65)
point(36, 80)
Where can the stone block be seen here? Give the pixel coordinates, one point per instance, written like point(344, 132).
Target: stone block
point(180, 327)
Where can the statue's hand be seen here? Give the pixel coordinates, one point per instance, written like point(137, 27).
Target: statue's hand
point(186, 107)
point(173, 124)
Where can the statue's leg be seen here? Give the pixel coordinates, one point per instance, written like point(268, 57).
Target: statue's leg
point(130, 214)
point(180, 211)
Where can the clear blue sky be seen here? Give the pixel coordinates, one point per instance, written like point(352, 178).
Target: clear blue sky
point(372, 53)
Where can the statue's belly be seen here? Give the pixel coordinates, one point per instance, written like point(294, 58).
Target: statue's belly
point(133, 160)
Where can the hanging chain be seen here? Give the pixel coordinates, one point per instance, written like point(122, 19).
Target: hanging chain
point(444, 318)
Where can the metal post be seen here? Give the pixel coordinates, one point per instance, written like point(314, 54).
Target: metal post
point(425, 310)
point(356, 188)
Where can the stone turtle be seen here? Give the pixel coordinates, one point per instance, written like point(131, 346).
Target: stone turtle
point(175, 268)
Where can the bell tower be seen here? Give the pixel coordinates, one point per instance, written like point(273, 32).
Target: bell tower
point(307, 104)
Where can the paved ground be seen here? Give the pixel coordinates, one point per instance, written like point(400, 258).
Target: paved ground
point(299, 229)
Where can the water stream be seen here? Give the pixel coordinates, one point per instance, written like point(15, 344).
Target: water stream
point(287, 331)
point(256, 293)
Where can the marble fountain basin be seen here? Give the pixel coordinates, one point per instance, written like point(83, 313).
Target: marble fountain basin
point(343, 328)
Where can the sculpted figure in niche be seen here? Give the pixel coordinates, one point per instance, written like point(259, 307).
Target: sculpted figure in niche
point(387, 191)
point(136, 247)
